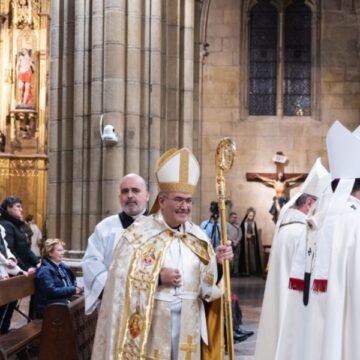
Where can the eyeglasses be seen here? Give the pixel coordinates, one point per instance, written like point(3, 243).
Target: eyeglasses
point(178, 200)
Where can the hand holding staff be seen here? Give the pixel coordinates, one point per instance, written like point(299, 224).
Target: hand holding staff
point(224, 158)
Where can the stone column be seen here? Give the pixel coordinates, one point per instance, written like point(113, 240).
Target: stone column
point(172, 73)
point(66, 136)
point(54, 120)
point(156, 102)
point(134, 76)
point(43, 74)
point(132, 61)
point(187, 64)
point(113, 95)
point(81, 114)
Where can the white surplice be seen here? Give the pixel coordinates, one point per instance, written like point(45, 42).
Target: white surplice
point(97, 259)
point(291, 231)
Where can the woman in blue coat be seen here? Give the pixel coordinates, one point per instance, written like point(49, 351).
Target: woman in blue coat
point(54, 281)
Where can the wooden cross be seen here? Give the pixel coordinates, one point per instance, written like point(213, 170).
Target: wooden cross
point(188, 348)
point(279, 181)
point(280, 161)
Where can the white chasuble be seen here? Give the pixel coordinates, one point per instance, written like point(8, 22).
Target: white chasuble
point(135, 315)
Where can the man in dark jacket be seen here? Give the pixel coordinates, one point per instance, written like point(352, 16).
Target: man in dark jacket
point(12, 221)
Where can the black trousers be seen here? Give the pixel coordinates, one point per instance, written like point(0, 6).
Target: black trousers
point(6, 313)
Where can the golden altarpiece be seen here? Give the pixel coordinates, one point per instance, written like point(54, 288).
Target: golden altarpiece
point(24, 44)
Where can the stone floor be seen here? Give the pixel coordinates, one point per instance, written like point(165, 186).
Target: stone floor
point(250, 291)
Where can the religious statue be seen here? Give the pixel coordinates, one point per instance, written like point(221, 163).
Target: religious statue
point(25, 70)
point(281, 186)
point(250, 259)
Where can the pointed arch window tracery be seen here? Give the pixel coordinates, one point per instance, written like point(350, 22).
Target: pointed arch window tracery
point(281, 58)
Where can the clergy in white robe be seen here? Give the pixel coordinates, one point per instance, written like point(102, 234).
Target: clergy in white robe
point(283, 298)
point(292, 231)
point(163, 268)
point(133, 199)
point(337, 263)
point(97, 259)
point(136, 312)
point(341, 315)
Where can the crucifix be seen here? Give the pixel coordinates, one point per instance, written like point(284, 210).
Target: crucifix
point(279, 181)
point(188, 348)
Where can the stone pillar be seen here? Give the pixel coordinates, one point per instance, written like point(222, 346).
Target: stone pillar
point(187, 108)
point(43, 74)
point(66, 129)
point(54, 121)
point(135, 68)
point(81, 114)
point(172, 73)
point(155, 103)
point(134, 76)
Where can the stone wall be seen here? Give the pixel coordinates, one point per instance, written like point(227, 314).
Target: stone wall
point(302, 139)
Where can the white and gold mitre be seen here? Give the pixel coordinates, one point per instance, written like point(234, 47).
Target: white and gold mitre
point(176, 170)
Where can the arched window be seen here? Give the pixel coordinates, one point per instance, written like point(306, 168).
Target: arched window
point(297, 60)
point(263, 59)
point(280, 75)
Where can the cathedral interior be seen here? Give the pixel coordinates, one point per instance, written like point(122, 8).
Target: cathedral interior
point(272, 75)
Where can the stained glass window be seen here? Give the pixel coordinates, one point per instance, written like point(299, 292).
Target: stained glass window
point(263, 43)
point(297, 59)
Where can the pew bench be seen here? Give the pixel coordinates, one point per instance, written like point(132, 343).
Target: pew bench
point(67, 333)
point(18, 340)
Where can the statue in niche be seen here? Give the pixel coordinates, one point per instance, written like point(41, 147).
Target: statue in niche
point(25, 70)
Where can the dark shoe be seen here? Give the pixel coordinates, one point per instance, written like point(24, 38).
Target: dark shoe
point(239, 338)
point(240, 331)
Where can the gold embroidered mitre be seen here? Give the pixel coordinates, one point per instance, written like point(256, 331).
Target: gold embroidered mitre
point(176, 170)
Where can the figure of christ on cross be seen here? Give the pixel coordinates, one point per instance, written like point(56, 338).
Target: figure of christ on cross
point(281, 183)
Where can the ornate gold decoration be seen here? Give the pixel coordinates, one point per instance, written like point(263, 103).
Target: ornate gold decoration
point(198, 247)
point(188, 348)
point(149, 256)
point(24, 13)
point(136, 323)
point(136, 238)
point(156, 355)
point(142, 280)
point(131, 351)
point(22, 167)
point(141, 284)
point(26, 177)
point(225, 154)
point(224, 159)
point(210, 279)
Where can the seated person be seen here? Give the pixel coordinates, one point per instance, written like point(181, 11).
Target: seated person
point(8, 262)
point(54, 281)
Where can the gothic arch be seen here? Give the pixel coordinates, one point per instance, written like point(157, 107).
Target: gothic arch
point(316, 26)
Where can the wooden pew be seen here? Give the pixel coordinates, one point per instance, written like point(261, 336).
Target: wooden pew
point(17, 341)
point(67, 332)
